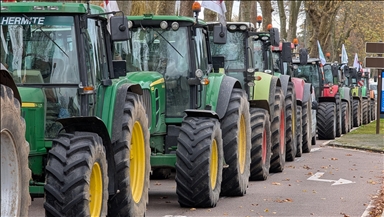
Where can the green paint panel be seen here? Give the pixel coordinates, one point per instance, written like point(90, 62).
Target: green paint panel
point(48, 7)
point(165, 160)
point(261, 88)
point(213, 89)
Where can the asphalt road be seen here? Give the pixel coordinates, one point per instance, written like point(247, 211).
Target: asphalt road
point(326, 182)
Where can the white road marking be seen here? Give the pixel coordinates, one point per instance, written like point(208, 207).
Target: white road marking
point(317, 176)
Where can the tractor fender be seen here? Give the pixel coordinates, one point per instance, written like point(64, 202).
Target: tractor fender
point(222, 100)
point(118, 110)
point(7, 80)
point(307, 92)
point(284, 80)
point(345, 94)
point(299, 88)
point(201, 113)
point(262, 93)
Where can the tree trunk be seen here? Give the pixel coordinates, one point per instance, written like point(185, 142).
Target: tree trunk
point(283, 20)
point(293, 15)
point(209, 15)
point(266, 10)
point(253, 13)
point(165, 7)
point(245, 11)
point(186, 8)
point(229, 7)
point(138, 8)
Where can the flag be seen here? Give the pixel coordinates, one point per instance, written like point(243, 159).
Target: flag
point(110, 6)
point(356, 63)
point(218, 7)
point(344, 56)
point(321, 54)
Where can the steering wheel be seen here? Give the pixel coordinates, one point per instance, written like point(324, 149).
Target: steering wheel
point(39, 63)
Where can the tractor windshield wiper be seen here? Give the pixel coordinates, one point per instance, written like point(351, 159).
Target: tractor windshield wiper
point(168, 43)
point(49, 37)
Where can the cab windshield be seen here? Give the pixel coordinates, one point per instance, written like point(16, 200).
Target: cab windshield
point(39, 50)
point(328, 76)
point(310, 74)
point(233, 50)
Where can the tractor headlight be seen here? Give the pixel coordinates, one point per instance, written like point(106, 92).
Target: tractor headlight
point(199, 73)
point(130, 24)
point(243, 27)
point(232, 27)
point(295, 66)
point(268, 71)
point(264, 38)
point(163, 24)
point(175, 26)
point(251, 84)
point(250, 70)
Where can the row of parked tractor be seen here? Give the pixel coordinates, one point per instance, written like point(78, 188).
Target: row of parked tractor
point(106, 104)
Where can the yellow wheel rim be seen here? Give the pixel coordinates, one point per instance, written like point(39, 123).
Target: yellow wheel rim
point(242, 146)
point(95, 190)
point(214, 158)
point(137, 162)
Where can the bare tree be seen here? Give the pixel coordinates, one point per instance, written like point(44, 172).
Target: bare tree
point(294, 8)
point(165, 8)
point(186, 8)
point(229, 7)
point(209, 15)
point(266, 10)
point(283, 20)
point(245, 11)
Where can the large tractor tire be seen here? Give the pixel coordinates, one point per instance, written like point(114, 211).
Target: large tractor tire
point(299, 129)
point(77, 180)
point(290, 133)
point(278, 125)
point(15, 174)
point(345, 117)
point(365, 111)
point(132, 162)
point(326, 120)
point(338, 116)
point(307, 126)
point(356, 113)
point(236, 129)
point(261, 144)
point(373, 110)
point(199, 163)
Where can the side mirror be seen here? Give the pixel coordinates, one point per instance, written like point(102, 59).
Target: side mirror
point(335, 71)
point(119, 68)
point(375, 78)
point(218, 62)
point(219, 34)
point(286, 52)
point(119, 28)
point(274, 36)
point(303, 56)
point(314, 105)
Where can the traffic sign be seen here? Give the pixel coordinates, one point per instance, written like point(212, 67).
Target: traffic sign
point(360, 83)
point(374, 47)
point(374, 62)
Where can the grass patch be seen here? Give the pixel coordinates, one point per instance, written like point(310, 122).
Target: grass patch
point(369, 128)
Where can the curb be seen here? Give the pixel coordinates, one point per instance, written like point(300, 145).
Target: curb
point(364, 148)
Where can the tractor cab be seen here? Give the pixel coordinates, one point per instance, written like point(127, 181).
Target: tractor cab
point(310, 71)
point(163, 44)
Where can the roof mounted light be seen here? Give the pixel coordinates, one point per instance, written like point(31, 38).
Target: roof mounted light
point(175, 26)
point(163, 24)
point(130, 24)
point(53, 8)
point(38, 8)
point(264, 38)
point(243, 27)
point(232, 27)
point(256, 37)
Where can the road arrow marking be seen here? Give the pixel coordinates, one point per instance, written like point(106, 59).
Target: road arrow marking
point(317, 176)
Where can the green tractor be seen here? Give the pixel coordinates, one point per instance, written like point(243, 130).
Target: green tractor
point(233, 52)
point(198, 120)
point(85, 120)
point(368, 97)
point(15, 174)
point(352, 80)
